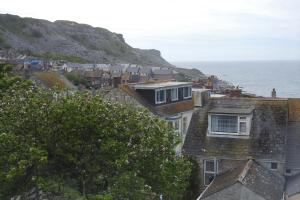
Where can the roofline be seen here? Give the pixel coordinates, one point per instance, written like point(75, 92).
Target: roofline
point(161, 87)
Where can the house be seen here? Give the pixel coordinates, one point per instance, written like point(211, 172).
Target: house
point(97, 79)
point(33, 64)
point(163, 74)
point(103, 67)
point(171, 101)
point(117, 72)
point(248, 181)
point(132, 74)
point(68, 67)
point(226, 132)
point(145, 74)
point(292, 151)
point(293, 187)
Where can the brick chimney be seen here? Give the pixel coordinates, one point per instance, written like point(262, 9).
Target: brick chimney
point(273, 93)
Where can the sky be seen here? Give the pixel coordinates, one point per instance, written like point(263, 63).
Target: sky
point(185, 30)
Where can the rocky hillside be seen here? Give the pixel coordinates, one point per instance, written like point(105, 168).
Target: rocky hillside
point(71, 41)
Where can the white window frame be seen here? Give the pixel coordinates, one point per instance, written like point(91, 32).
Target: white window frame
point(160, 102)
point(209, 172)
point(247, 120)
point(184, 124)
point(176, 94)
point(189, 92)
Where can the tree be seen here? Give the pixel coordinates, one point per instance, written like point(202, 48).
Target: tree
point(19, 163)
point(98, 146)
point(8, 81)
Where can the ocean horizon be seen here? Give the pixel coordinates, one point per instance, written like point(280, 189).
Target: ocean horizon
point(256, 77)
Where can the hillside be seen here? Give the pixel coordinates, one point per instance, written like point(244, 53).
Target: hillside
point(71, 41)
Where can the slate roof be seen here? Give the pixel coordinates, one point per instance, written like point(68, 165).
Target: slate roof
point(133, 69)
point(293, 146)
point(145, 70)
point(163, 110)
point(253, 176)
point(267, 135)
point(162, 71)
point(221, 110)
point(158, 85)
point(292, 185)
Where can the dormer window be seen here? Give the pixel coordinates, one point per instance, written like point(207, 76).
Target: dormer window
point(174, 94)
point(187, 92)
point(227, 122)
point(160, 96)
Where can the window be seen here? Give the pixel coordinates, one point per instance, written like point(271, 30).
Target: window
point(160, 96)
point(184, 124)
point(243, 125)
point(274, 165)
point(210, 171)
point(229, 124)
point(288, 171)
point(175, 125)
point(224, 123)
point(174, 94)
point(187, 92)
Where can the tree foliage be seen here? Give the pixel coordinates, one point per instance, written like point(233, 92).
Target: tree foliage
point(104, 150)
point(7, 81)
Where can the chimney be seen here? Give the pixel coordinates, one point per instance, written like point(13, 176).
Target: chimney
point(273, 93)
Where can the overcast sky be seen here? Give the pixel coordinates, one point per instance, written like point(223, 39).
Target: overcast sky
point(185, 30)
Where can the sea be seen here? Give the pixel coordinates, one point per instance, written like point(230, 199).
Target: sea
point(255, 77)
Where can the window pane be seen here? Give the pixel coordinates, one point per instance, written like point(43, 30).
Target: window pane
point(208, 178)
point(176, 125)
point(184, 124)
point(224, 123)
point(243, 127)
point(274, 165)
point(160, 95)
point(174, 94)
point(209, 166)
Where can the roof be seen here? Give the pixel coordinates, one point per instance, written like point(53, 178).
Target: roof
point(221, 110)
point(133, 69)
point(158, 85)
point(162, 71)
point(146, 70)
point(267, 135)
point(294, 109)
point(162, 110)
point(253, 176)
point(293, 146)
point(293, 185)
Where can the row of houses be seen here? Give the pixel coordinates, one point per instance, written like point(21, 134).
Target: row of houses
point(246, 148)
point(98, 75)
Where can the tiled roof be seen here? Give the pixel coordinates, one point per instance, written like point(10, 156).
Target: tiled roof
point(267, 135)
point(253, 176)
point(293, 146)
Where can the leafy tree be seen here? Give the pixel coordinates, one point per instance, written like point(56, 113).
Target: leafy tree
point(104, 150)
point(19, 163)
point(8, 81)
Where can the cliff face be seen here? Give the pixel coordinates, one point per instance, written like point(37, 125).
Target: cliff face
point(67, 38)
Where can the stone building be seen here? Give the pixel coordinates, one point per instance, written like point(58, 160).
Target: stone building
point(227, 132)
